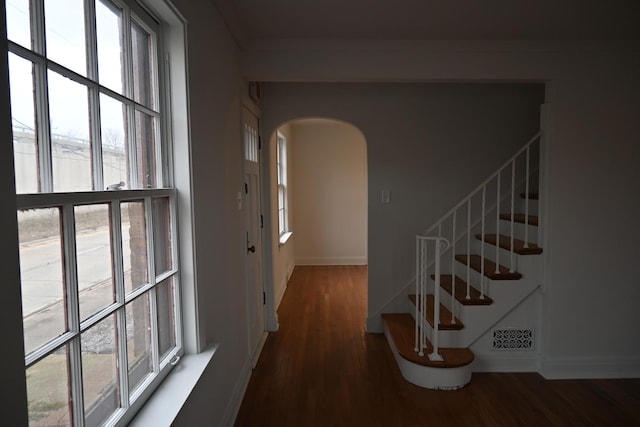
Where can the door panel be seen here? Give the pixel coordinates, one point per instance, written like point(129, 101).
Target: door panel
point(253, 225)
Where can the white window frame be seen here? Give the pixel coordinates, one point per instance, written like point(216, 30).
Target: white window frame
point(282, 172)
point(66, 202)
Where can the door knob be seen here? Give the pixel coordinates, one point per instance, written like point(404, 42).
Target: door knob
point(252, 249)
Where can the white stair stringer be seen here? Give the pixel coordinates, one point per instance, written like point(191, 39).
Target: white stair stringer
point(478, 319)
point(434, 378)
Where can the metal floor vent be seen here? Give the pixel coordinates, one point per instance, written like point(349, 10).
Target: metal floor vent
point(513, 339)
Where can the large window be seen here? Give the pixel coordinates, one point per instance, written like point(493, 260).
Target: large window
point(96, 207)
point(283, 196)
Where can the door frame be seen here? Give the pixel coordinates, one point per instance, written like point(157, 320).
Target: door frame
point(254, 350)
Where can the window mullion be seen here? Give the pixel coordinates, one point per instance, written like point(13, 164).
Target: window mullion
point(166, 130)
point(153, 310)
point(121, 321)
point(176, 279)
point(73, 312)
point(40, 83)
point(94, 95)
point(130, 106)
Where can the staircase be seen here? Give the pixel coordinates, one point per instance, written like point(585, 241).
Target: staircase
point(473, 266)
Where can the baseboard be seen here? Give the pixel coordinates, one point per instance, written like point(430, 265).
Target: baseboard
point(505, 363)
point(278, 297)
point(373, 324)
point(259, 347)
point(583, 368)
point(237, 395)
point(357, 260)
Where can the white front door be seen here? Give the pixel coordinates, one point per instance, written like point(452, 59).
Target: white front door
point(253, 227)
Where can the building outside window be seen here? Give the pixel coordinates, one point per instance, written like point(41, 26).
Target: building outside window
point(283, 195)
point(96, 207)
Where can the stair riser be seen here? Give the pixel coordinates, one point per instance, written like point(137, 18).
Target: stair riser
point(504, 256)
point(428, 377)
point(447, 338)
point(519, 230)
point(520, 206)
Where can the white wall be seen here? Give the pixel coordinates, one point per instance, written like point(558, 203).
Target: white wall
point(591, 282)
point(215, 104)
point(428, 144)
point(329, 186)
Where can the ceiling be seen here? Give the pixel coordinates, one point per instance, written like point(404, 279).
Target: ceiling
point(260, 20)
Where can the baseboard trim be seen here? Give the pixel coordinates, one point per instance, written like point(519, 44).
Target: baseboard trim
point(582, 368)
point(373, 324)
point(505, 363)
point(280, 295)
point(358, 260)
point(237, 395)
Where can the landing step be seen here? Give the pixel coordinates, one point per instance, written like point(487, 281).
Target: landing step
point(521, 218)
point(489, 268)
point(461, 291)
point(518, 245)
point(401, 327)
point(445, 315)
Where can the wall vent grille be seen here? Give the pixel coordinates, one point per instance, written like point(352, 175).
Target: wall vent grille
point(513, 339)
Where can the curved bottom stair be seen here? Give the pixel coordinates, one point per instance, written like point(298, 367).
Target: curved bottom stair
point(452, 373)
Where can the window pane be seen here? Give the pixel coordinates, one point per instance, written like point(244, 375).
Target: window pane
point(69, 115)
point(48, 393)
point(93, 259)
point(142, 45)
point(100, 371)
point(113, 115)
point(18, 23)
point(23, 120)
point(134, 245)
point(146, 150)
point(64, 24)
point(165, 299)
point(140, 362)
point(42, 278)
point(109, 35)
point(162, 236)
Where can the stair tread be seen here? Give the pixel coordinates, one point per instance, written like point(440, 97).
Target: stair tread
point(533, 195)
point(489, 268)
point(445, 315)
point(521, 219)
point(461, 291)
point(402, 330)
point(518, 245)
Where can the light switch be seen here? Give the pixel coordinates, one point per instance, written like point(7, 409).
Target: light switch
point(386, 196)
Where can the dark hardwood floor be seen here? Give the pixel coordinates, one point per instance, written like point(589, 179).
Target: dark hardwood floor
point(322, 369)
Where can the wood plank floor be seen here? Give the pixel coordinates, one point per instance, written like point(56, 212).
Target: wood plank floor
point(322, 369)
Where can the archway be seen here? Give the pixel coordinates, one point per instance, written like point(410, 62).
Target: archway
point(325, 202)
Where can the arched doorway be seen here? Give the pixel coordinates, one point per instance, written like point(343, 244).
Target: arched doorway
point(325, 201)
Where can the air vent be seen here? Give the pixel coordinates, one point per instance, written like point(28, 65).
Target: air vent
point(513, 339)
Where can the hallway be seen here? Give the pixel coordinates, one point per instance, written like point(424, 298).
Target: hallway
point(322, 369)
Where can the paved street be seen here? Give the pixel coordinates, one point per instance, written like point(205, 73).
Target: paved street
point(42, 284)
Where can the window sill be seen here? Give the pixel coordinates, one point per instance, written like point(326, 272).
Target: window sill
point(284, 237)
point(164, 405)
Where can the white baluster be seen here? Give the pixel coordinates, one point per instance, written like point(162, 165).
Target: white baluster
point(435, 355)
point(468, 249)
point(484, 196)
point(418, 266)
point(453, 269)
point(526, 205)
point(513, 201)
point(498, 225)
point(420, 298)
